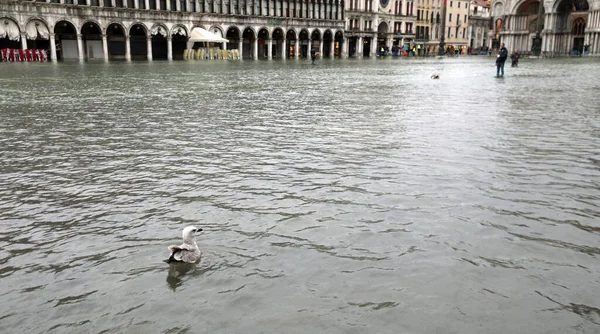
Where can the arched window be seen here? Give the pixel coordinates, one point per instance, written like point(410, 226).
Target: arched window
point(578, 26)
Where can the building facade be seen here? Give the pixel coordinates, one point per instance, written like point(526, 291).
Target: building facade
point(160, 29)
point(373, 24)
point(457, 24)
point(550, 27)
point(479, 21)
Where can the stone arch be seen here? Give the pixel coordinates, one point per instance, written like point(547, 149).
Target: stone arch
point(63, 19)
point(179, 36)
point(316, 34)
point(249, 28)
point(248, 38)
point(303, 38)
point(177, 29)
point(522, 6)
point(578, 26)
point(65, 35)
point(327, 43)
point(138, 40)
point(498, 9)
point(141, 25)
point(199, 26)
point(38, 34)
point(115, 38)
point(116, 24)
point(291, 38)
point(217, 30)
point(159, 29)
point(278, 38)
point(13, 33)
point(339, 43)
point(234, 35)
point(37, 18)
point(570, 6)
point(264, 29)
point(91, 35)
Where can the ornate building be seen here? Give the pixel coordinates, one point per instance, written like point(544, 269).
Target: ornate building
point(479, 21)
point(372, 24)
point(159, 29)
point(550, 28)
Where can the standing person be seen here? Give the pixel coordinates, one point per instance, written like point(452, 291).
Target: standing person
point(500, 60)
point(515, 58)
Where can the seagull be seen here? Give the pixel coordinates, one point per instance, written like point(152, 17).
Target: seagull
point(188, 251)
point(435, 76)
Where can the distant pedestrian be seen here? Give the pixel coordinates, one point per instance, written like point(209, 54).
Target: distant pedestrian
point(515, 58)
point(500, 60)
point(313, 57)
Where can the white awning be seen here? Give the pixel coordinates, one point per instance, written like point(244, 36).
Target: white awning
point(9, 29)
point(36, 29)
point(202, 35)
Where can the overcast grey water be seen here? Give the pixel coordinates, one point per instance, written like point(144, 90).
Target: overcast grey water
point(350, 196)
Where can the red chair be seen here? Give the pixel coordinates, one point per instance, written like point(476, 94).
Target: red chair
point(22, 55)
point(4, 53)
point(43, 56)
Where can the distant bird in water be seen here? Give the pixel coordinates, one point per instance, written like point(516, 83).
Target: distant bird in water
point(435, 76)
point(187, 252)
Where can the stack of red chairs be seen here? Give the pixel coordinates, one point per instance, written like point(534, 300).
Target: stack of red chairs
point(23, 55)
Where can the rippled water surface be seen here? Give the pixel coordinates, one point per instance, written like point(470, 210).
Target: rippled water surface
point(352, 196)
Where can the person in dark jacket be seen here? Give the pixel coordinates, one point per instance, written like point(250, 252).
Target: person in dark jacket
point(500, 60)
point(515, 58)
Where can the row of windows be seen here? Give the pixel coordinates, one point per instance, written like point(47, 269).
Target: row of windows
point(368, 6)
point(285, 8)
point(456, 32)
point(457, 18)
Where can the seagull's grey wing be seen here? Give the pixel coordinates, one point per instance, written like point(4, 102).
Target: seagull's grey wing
point(177, 253)
point(192, 256)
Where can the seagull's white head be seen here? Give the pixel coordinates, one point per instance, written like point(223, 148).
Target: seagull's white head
point(189, 232)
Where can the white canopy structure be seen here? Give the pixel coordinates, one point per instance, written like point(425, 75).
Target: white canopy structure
point(202, 35)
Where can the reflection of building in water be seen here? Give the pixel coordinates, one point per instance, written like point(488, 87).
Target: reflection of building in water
point(562, 26)
point(159, 29)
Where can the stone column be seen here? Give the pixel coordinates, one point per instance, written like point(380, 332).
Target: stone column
point(321, 49)
point(309, 48)
point(270, 49)
point(23, 40)
point(168, 4)
point(373, 52)
point(147, 3)
point(241, 47)
point(169, 48)
point(136, 4)
point(359, 47)
point(79, 47)
point(149, 48)
point(332, 49)
point(105, 47)
point(52, 48)
point(255, 50)
point(283, 49)
point(296, 47)
point(177, 5)
point(345, 49)
point(127, 48)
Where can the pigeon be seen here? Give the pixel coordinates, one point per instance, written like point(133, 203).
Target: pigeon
point(187, 252)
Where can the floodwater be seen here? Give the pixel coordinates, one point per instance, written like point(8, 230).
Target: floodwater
point(350, 196)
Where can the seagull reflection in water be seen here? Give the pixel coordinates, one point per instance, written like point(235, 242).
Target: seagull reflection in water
point(177, 271)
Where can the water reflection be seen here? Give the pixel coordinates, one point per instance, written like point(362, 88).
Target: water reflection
point(177, 272)
point(345, 197)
